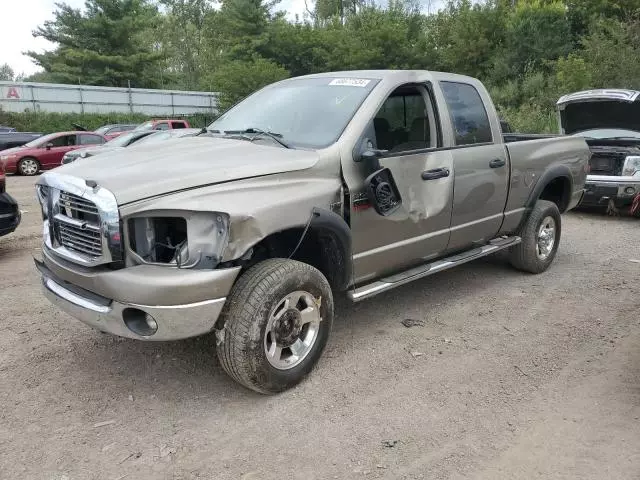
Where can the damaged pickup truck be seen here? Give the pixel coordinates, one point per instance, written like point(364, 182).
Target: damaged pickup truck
point(354, 182)
point(609, 120)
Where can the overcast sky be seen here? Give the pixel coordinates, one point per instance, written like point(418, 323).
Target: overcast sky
point(17, 23)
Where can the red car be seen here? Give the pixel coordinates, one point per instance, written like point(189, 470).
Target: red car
point(46, 152)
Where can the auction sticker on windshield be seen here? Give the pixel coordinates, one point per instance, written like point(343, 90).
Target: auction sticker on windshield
point(350, 82)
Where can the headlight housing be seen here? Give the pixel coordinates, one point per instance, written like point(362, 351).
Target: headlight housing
point(178, 238)
point(631, 166)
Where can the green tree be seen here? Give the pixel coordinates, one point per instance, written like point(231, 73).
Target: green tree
point(466, 36)
point(6, 72)
point(538, 31)
point(183, 39)
point(106, 44)
point(237, 79)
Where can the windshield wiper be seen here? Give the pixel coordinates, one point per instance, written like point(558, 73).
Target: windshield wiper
point(277, 137)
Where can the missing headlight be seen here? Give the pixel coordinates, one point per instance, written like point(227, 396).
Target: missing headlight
point(159, 239)
point(184, 239)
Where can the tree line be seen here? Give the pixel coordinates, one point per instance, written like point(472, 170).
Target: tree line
point(528, 52)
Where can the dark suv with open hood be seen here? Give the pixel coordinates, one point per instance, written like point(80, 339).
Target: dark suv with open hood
point(610, 122)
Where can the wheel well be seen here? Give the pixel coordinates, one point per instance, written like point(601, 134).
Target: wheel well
point(557, 191)
point(320, 249)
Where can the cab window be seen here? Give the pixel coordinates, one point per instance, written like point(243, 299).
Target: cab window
point(405, 121)
point(468, 115)
point(161, 126)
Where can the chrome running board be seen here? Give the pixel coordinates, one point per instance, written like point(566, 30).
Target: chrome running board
point(427, 269)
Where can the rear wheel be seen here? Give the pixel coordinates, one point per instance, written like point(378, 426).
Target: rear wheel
point(28, 166)
point(540, 239)
point(276, 324)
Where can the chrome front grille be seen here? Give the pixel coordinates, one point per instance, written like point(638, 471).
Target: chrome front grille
point(78, 236)
point(81, 222)
point(80, 208)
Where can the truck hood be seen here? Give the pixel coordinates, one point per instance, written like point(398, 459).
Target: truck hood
point(133, 174)
point(599, 109)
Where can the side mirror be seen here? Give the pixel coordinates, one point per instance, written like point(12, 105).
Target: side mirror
point(382, 192)
point(49, 146)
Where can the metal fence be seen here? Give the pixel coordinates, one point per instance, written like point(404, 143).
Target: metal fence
point(53, 97)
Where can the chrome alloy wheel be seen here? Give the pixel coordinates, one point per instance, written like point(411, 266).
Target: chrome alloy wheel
point(546, 238)
point(28, 166)
point(292, 330)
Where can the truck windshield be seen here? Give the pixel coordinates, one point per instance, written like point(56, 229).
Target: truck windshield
point(306, 113)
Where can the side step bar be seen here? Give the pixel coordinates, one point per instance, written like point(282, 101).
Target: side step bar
point(427, 269)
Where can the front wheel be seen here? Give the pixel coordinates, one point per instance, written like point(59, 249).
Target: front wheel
point(28, 166)
point(276, 323)
point(540, 239)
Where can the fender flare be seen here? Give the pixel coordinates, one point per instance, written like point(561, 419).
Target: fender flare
point(335, 234)
point(553, 172)
point(550, 174)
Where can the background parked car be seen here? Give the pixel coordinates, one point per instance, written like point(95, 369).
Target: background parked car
point(168, 135)
point(121, 141)
point(115, 130)
point(46, 152)
point(9, 211)
point(132, 139)
point(17, 139)
point(165, 124)
point(5, 129)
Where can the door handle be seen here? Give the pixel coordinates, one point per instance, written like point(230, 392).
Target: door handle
point(497, 163)
point(435, 173)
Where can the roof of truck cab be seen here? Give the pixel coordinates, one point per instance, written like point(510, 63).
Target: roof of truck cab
point(389, 74)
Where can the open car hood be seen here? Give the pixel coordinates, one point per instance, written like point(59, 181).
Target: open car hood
point(599, 109)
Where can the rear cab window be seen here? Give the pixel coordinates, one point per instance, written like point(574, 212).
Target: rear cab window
point(468, 114)
point(175, 125)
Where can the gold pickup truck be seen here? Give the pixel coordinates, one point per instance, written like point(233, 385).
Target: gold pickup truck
point(354, 182)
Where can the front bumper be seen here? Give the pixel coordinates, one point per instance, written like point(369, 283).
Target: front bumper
point(139, 290)
point(9, 214)
point(600, 189)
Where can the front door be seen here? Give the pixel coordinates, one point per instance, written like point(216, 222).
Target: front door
point(405, 126)
point(53, 152)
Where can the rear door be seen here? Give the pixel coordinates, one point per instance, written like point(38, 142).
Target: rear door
point(480, 162)
point(89, 139)
point(405, 126)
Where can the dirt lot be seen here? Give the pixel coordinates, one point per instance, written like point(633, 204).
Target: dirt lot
point(510, 376)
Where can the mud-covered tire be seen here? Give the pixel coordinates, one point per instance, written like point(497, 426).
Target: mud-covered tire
point(243, 338)
point(526, 256)
point(28, 166)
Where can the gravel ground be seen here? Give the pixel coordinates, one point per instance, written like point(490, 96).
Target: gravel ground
point(509, 376)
